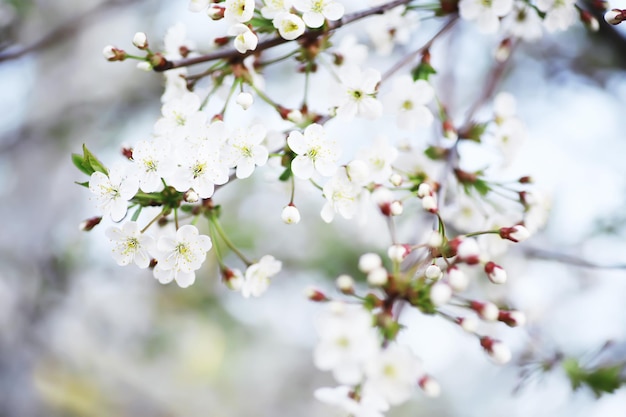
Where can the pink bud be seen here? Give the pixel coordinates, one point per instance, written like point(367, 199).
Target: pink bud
point(495, 273)
point(498, 351)
point(517, 233)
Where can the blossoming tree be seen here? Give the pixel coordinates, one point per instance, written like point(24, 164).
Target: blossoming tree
point(448, 222)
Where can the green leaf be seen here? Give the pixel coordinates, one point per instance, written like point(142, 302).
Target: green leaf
point(79, 162)
point(475, 132)
point(436, 153)
point(286, 174)
point(84, 184)
point(93, 162)
point(136, 214)
point(600, 380)
point(482, 187)
point(422, 71)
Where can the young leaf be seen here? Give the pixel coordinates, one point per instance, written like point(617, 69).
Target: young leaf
point(80, 163)
point(93, 162)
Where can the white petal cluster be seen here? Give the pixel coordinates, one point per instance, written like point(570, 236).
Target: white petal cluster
point(486, 14)
point(245, 39)
point(245, 151)
point(130, 245)
point(392, 28)
point(315, 12)
point(239, 10)
point(290, 26)
point(257, 277)
point(113, 191)
point(379, 158)
point(560, 14)
point(271, 8)
point(523, 22)
point(408, 99)
point(179, 255)
point(315, 152)
point(358, 93)
point(343, 196)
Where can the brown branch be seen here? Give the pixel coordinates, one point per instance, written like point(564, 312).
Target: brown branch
point(64, 31)
point(567, 259)
point(272, 42)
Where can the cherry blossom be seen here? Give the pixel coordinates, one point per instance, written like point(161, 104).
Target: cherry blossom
point(245, 39)
point(239, 10)
point(153, 163)
point(485, 14)
point(408, 100)
point(180, 255)
point(257, 277)
point(130, 245)
point(244, 150)
point(359, 90)
point(315, 11)
point(315, 152)
point(289, 25)
point(113, 191)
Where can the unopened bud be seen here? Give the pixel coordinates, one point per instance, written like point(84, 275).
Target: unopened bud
point(396, 208)
point(295, 116)
point(424, 190)
point(433, 272)
point(467, 250)
point(440, 293)
point(377, 277)
point(89, 224)
point(233, 278)
point(457, 279)
point(191, 196)
point(140, 40)
point(144, 66)
point(517, 233)
point(449, 131)
point(398, 252)
point(111, 53)
point(435, 240)
point(430, 386)
point(498, 351)
point(512, 318)
point(615, 16)
point(245, 100)
point(486, 311)
point(369, 261)
point(396, 180)
point(429, 203)
point(504, 50)
point(589, 20)
point(314, 294)
point(495, 273)
point(469, 324)
point(215, 12)
point(290, 214)
point(345, 283)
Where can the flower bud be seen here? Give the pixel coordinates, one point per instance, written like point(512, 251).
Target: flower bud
point(429, 203)
point(589, 20)
point(290, 214)
point(233, 278)
point(377, 277)
point(295, 116)
point(486, 311)
point(498, 351)
point(345, 283)
point(512, 318)
point(369, 261)
point(435, 240)
point(469, 324)
point(495, 273)
point(89, 224)
point(191, 196)
point(398, 252)
point(467, 250)
point(517, 233)
point(396, 208)
point(245, 100)
point(440, 293)
point(111, 53)
point(615, 16)
point(144, 66)
point(430, 386)
point(396, 180)
point(314, 294)
point(457, 279)
point(140, 40)
point(215, 12)
point(424, 189)
point(433, 272)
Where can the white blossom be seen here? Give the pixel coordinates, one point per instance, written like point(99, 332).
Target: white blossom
point(394, 27)
point(290, 215)
point(201, 168)
point(257, 277)
point(486, 14)
point(367, 406)
point(130, 245)
point(180, 255)
point(560, 14)
point(346, 341)
point(271, 8)
point(239, 10)
point(198, 5)
point(314, 12)
point(245, 39)
point(289, 25)
point(379, 157)
point(112, 192)
point(245, 100)
point(153, 162)
point(358, 93)
point(342, 196)
point(408, 99)
point(315, 152)
point(244, 150)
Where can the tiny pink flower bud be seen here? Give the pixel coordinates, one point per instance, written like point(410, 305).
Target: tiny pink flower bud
point(430, 386)
point(435, 240)
point(396, 180)
point(314, 294)
point(486, 311)
point(396, 208)
point(517, 233)
point(433, 272)
point(295, 116)
point(589, 21)
point(290, 214)
point(512, 318)
point(469, 324)
point(498, 351)
point(111, 53)
point(440, 293)
point(345, 283)
point(449, 132)
point(233, 278)
point(140, 40)
point(215, 12)
point(398, 252)
point(378, 277)
point(467, 250)
point(615, 16)
point(495, 273)
point(369, 261)
point(191, 196)
point(245, 100)
point(429, 203)
point(424, 189)
point(457, 279)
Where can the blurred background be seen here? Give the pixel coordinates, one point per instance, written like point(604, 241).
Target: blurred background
point(80, 336)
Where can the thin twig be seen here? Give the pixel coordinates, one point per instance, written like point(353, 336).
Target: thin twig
point(567, 259)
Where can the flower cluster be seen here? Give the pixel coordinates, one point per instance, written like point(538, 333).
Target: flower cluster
point(469, 217)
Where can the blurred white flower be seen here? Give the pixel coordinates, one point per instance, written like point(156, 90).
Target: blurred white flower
point(314, 12)
point(358, 93)
point(257, 277)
